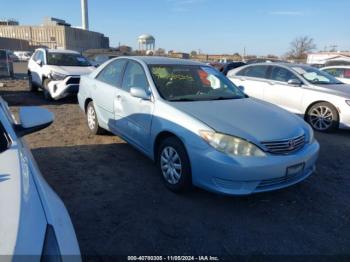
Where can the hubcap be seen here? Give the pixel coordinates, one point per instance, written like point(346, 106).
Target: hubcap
point(91, 117)
point(170, 163)
point(321, 117)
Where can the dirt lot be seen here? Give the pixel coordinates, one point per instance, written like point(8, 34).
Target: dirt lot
point(119, 205)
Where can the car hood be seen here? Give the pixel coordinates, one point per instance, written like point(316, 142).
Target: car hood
point(73, 70)
point(21, 212)
point(339, 90)
point(247, 118)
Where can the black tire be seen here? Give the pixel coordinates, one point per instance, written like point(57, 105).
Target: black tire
point(183, 183)
point(91, 115)
point(32, 86)
point(323, 117)
point(46, 92)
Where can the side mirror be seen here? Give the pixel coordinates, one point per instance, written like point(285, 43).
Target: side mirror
point(33, 119)
point(139, 93)
point(39, 62)
point(241, 88)
point(294, 82)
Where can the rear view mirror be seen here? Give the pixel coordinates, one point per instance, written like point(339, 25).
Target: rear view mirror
point(294, 82)
point(139, 93)
point(33, 119)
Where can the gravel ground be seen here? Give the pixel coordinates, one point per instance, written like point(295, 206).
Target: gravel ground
point(119, 205)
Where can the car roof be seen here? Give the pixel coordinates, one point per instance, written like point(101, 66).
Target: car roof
point(62, 51)
point(155, 60)
point(278, 64)
point(336, 66)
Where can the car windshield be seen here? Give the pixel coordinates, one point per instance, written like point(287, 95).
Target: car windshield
point(193, 83)
point(316, 76)
point(65, 59)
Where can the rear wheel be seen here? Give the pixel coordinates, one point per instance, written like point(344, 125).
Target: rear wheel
point(174, 165)
point(323, 117)
point(32, 86)
point(47, 94)
point(92, 120)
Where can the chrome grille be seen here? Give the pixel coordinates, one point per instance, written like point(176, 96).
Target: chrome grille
point(286, 146)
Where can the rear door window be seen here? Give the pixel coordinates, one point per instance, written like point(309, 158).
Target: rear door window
point(259, 71)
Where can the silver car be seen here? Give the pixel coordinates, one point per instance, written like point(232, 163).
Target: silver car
point(197, 126)
point(322, 100)
point(34, 223)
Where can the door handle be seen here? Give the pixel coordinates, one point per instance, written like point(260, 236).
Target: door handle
point(118, 97)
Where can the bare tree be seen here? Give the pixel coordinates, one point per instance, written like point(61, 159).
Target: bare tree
point(300, 47)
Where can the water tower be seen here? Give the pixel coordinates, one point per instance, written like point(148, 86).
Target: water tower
point(146, 42)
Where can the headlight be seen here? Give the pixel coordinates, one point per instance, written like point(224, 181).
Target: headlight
point(57, 76)
point(231, 145)
point(348, 102)
point(51, 250)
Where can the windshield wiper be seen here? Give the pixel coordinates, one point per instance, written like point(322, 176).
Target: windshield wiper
point(225, 98)
point(181, 100)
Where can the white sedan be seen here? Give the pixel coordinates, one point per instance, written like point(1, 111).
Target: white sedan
point(33, 220)
point(322, 100)
point(342, 73)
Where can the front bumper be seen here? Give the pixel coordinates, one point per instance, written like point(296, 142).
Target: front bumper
point(344, 122)
point(217, 172)
point(62, 88)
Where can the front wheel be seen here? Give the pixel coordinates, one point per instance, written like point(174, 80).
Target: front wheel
point(323, 117)
point(92, 120)
point(174, 165)
point(32, 86)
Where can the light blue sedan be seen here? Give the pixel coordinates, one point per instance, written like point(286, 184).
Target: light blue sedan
point(198, 126)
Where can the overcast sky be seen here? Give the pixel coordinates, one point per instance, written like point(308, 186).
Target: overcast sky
point(213, 26)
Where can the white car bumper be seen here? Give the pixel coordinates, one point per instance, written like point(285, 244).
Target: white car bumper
point(62, 88)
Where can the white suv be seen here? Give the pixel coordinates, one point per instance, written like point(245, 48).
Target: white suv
point(57, 72)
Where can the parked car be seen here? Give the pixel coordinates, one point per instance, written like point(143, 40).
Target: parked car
point(218, 66)
point(6, 63)
point(23, 55)
point(198, 126)
point(229, 66)
point(342, 73)
point(57, 72)
point(322, 100)
point(100, 59)
point(33, 220)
